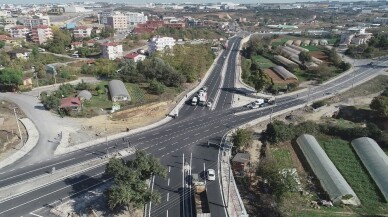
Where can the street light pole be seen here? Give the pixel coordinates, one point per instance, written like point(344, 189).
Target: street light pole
point(17, 123)
point(106, 136)
point(37, 84)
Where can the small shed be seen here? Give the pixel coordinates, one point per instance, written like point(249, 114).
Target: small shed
point(72, 103)
point(315, 42)
point(323, 42)
point(84, 95)
point(118, 91)
point(306, 42)
point(240, 161)
point(297, 42)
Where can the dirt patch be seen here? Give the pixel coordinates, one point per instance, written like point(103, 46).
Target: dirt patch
point(9, 133)
point(319, 55)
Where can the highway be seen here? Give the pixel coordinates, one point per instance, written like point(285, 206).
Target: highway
point(188, 134)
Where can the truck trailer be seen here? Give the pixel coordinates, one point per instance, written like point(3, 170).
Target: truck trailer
point(200, 198)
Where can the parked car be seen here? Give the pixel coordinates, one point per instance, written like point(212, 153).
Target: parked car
point(41, 49)
point(211, 175)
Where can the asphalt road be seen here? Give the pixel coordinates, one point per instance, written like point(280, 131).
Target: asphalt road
point(188, 134)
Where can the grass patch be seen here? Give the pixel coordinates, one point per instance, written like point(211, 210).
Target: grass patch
point(263, 62)
point(345, 159)
point(370, 87)
point(313, 48)
point(283, 157)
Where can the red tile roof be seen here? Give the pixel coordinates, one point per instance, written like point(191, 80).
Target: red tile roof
point(111, 44)
point(19, 27)
point(4, 37)
point(131, 56)
point(40, 27)
point(69, 102)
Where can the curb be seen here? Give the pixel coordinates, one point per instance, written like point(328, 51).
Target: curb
point(62, 148)
point(32, 141)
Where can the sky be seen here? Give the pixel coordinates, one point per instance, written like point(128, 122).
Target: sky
point(149, 1)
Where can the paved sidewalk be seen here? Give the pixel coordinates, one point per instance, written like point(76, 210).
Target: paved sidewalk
point(233, 202)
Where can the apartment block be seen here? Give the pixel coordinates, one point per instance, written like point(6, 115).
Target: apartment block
point(18, 31)
point(41, 33)
point(136, 18)
point(82, 31)
point(158, 43)
point(36, 21)
point(118, 22)
point(112, 51)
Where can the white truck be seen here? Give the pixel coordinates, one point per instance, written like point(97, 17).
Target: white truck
point(202, 98)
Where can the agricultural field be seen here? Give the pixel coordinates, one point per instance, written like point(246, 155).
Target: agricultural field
point(347, 162)
point(263, 62)
point(313, 48)
point(283, 157)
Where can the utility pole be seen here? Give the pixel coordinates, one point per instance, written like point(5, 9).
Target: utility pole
point(106, 136)
point(17, 123)
point(183, 184)
point(191, 160)
point(270, 115)
point(227, 205)
point(37, 84)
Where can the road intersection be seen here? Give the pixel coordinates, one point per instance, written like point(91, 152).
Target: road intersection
point(186, 135)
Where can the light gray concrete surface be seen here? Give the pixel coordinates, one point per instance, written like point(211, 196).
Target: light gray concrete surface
point(46, 179)
point(32, 140)
point(64, 148)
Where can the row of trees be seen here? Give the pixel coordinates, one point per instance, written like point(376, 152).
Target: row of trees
point(279, 131)
point(380, 104)
point(191, 33)
point(129, 186)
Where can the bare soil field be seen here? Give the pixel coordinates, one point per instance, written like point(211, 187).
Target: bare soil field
point(9, 134)
point(319, 55)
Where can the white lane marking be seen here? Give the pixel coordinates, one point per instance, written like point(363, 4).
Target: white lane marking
point(168, 181)
point(155, 134)
point(168, 198)
point(68, 186)
point(161, 148)
point(31, 213)
point(88, 154)
point(168, 130)
point(36, 169)
point(141, 138)
point(186, 138)
point(197, 134)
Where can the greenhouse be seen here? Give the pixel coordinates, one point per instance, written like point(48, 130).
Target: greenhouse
point(375, 161)
point(330, 178)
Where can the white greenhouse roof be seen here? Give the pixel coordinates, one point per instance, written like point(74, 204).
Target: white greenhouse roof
point(375, 161)
point(330, 178)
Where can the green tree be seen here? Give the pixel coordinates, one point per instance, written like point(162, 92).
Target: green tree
point(40, 69)
point(11, 77)
point(129, 73)
point(278, 131)
point(304, 57)
point(241, 139)
point(156, 87)
point(2, 44)
point(49, 101)
point(380, 105)
point(130, 188)
point(61, 40)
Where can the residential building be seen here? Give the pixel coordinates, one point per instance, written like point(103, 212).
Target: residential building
point(82, 31)
point(135, 57)
point(136, 18)
point(18, 31)
point(36, 21)
point(103, 15)
point(19, 53)
point(381, 20)
point(158, 43)
point(71, 103)
point(75, 45)
point(118, 22)
point(5, 38)
point(112, 50)
point(41, 33)
point(7, 21)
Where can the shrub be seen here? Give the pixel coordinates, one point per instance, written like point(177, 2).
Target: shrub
point(156, 87)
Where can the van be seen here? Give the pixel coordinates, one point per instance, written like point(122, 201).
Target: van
point(74, 55)
point(194, 101)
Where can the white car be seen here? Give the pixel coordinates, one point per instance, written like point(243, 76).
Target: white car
point(211, 175)
point(253, 106)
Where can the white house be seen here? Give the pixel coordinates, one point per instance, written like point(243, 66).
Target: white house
point(112, 50)
point(135, 57)
point(158, 43)
point(136, 18)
